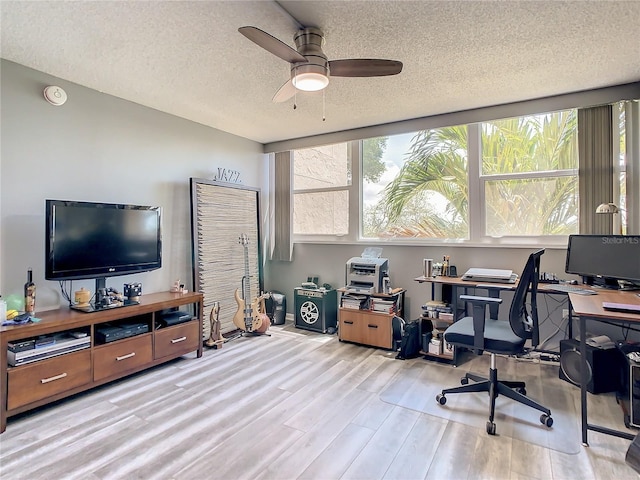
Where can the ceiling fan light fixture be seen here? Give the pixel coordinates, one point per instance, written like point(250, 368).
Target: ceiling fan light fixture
point(310, 78)
point(310, 82)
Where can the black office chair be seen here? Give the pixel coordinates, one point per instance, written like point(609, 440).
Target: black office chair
point(500, 337)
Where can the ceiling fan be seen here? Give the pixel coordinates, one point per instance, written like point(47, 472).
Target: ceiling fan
point(310, 68)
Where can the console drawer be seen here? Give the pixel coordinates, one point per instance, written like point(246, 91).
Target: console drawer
point(122, 356)
point(177, 340)
point(39, 380)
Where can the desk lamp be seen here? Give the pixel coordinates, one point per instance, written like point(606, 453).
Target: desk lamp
point(611, 209)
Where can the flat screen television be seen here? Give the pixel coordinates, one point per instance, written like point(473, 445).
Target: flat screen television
point(86, 240)
point(605, 260)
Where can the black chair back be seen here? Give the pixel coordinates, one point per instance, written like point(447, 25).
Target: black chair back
point(524, 323)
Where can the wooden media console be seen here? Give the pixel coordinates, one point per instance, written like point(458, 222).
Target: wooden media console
point(40, 382)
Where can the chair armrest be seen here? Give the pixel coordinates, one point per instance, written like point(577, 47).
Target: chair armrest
point(479, 313)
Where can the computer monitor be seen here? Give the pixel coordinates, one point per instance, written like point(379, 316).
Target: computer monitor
point(604, 260)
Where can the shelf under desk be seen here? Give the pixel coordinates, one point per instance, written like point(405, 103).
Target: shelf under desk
point(493, 290)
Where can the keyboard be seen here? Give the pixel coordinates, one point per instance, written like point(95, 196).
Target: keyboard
point(568, 288)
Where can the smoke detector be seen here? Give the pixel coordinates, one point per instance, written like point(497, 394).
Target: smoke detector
point(55, 95)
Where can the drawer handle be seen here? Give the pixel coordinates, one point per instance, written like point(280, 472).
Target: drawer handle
point(348, 322)
point(55, 377)
point(124, 357)
point(372, 326)
point(178, 340)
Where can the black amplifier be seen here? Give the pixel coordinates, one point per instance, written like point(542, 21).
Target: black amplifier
point(316, 310)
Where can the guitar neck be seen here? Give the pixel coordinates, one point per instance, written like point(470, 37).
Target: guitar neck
point(246, 292)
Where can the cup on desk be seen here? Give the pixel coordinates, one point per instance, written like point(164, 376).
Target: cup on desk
point(427, 269)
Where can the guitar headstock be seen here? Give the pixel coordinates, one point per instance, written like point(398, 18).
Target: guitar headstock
point(243, 239)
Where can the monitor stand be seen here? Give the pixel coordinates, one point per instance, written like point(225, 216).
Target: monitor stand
point(602, 282)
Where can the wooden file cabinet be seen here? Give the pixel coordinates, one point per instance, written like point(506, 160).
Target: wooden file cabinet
point(365, 327)
point(369, 327)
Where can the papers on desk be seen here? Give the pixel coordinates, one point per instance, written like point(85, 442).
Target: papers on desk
point(490, 275)
point(354, 301)
point(601, 341)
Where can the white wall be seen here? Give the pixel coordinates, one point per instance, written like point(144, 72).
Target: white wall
point(100, 148)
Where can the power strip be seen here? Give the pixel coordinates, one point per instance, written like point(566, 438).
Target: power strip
point(542, 358)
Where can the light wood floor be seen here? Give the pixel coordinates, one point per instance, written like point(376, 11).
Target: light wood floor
point(294, 405)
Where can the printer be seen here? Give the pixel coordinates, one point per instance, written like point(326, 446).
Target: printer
point(364, 275)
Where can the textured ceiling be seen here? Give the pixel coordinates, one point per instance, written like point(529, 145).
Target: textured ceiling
point(187, 58)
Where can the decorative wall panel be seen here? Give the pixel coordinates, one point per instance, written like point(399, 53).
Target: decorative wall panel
point(220, 213)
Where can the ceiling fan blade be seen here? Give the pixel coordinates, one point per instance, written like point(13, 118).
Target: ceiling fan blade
point(272, 44)
point(364, 67)
point(285, 92)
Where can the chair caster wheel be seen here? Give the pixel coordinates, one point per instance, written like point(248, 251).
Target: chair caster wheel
point(441, 399)
point(491, 428)
point(521, 390)
point(546, 420)
point(464, 381)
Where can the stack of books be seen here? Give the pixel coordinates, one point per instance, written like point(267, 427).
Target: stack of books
point(353, 301)
point(433, 309)
point(381, 305)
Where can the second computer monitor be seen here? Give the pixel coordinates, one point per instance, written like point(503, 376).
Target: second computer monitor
point(604, 259)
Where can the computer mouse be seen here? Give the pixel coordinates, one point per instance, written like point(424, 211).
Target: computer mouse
point(573, 282)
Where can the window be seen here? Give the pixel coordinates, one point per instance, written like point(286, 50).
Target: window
point(321, 182)
point(507, 178)
point(506, 181)
point(529, 175)
point(422, 189)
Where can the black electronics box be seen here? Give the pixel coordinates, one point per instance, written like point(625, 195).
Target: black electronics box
point(110, 333)
point(174, 318)
point(133, 329)
point(21, 345)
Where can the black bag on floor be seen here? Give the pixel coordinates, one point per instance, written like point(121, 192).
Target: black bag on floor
point(397, 327)
point(410, 344)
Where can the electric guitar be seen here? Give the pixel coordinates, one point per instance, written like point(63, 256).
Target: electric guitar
point(248, 317)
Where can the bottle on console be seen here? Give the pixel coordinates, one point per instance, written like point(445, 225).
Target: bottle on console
point(30, 294)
